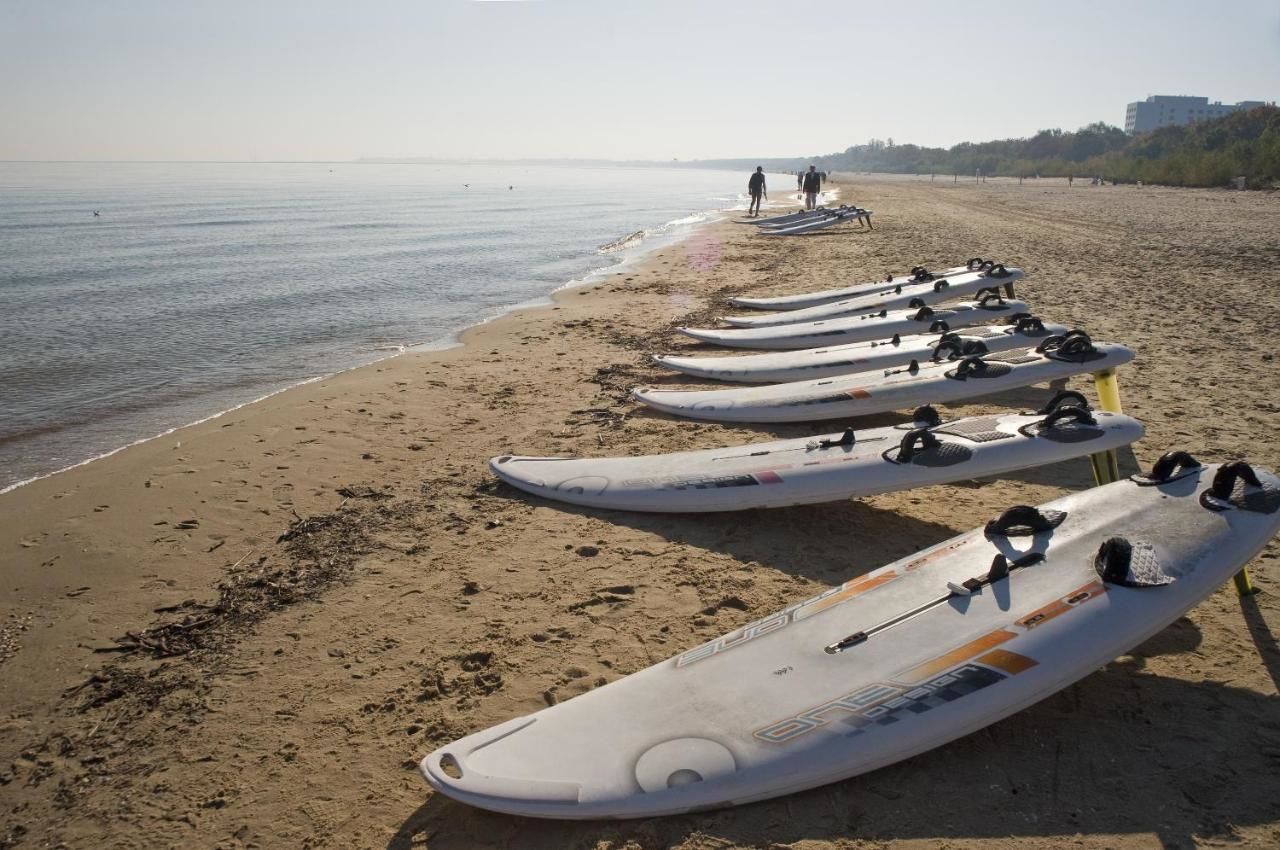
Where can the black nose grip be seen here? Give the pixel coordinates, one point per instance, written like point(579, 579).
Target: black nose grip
point(919, 440)
point(948, 349)
point(927, 415)
point(1225, 479)
point(1074, 415)
point(1113, 560)
point(970, 366)
point(1171, 463)
point(1023, 521)
point(1060, 398)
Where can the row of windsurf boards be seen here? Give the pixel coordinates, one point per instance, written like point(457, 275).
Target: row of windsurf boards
point(809, 221)
point(901, 659)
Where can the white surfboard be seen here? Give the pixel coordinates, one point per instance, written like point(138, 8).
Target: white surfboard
point(792, 218)
point(866, 326)
point(782, 222)
point(811, 363)
point(890, 664)
point(918, 274)
point(784, 219)
point(945, 288)
point(865, 393)
point(821, 223)
point(825, 468)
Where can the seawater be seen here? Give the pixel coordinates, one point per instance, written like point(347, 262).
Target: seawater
point(202, 286)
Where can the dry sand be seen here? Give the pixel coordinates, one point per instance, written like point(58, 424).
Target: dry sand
point(300, 599)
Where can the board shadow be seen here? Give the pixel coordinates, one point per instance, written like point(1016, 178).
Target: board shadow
point(830, 542)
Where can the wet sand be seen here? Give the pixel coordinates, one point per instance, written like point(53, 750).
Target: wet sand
point(246, 633)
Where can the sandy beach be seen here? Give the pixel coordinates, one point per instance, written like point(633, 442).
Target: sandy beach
point(246, 633)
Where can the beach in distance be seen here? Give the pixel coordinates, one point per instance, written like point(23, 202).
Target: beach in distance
point(247, 632)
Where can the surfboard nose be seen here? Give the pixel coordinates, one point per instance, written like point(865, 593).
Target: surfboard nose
point(449, 770)
point(699, 334)
point(644, 395)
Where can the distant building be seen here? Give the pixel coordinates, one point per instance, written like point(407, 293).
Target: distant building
point(1167, 111)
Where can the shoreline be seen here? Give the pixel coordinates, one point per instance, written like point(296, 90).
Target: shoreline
point(627, 256)
point(416, 600)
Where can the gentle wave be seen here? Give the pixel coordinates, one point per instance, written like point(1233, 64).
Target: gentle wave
point(628, 241)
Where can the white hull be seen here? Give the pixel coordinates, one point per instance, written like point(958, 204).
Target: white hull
point(817, 469)
point(865, 393)
point(826, 296)
point(900, 297)
point(858, 328)
point(811, 363)
point(797, 699)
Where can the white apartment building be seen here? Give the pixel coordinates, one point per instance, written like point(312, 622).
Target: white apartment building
point(1169, 110)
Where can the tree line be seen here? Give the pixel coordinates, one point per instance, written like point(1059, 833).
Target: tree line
point(1207, 153)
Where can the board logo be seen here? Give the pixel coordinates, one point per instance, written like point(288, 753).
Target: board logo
point(885, 703)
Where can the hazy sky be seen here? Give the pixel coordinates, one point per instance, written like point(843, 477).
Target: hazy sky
point(650, 79)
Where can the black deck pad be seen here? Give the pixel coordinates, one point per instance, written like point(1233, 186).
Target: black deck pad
point(1065, 433)
point(1131, 563)
point(943, 454)
point(993, 370)
point(980, 429)
point(1244, 497)
point(1012, 357)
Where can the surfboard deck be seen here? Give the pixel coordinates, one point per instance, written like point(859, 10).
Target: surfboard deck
point(811, 299)
point(852, 680)
point(788, 218)
point(865, 393)
point(824, 468)
point(820, 223)
point(813, 363)
point(942, 289)
point(861, 327)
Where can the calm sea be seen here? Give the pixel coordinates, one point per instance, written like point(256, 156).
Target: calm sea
point(201, 286)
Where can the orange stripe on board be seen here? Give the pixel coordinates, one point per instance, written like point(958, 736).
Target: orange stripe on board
point(935, 555)
point(1058, 607)
point(955, 656)
point(853, 589)
point(1010, 662)
point(858, 394)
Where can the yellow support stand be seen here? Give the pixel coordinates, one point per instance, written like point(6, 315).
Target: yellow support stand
point(1244, 587)
point(1106, 467)
point(1108, 390)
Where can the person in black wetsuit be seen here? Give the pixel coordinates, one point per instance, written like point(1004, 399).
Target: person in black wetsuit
point(756, 187)
point(812, 186)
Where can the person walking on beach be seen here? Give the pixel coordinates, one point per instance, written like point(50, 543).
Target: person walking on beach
point(812, 186)
point(756, 187)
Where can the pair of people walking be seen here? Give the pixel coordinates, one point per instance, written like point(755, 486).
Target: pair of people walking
point(810, 184)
